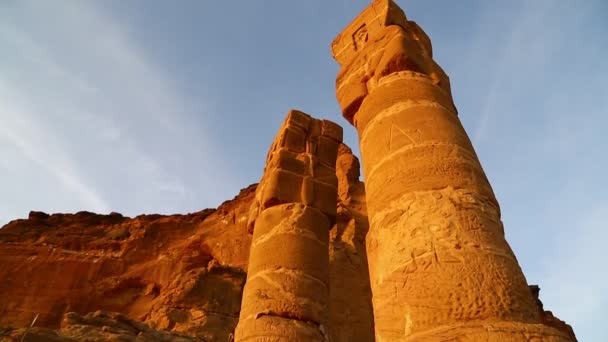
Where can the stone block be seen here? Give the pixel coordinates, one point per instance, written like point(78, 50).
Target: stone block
point(281, 186)
point(327, 150)
point(332, 130)
point(294, 139)
point(298, 118)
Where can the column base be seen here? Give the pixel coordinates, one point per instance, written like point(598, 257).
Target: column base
point(271, 328)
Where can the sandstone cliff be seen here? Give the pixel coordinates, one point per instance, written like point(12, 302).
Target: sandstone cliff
point(179, 273)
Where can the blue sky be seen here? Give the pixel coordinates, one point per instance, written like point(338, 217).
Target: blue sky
point(170, 107)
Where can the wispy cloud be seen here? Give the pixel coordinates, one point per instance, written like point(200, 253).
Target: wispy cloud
point(83, 100)
point(513, 45)
point(524, 44)
point(39, 146)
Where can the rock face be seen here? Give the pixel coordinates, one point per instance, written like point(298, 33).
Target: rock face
point(286, 297)
point(180, 273)
point(98, 326)
point(440, 266)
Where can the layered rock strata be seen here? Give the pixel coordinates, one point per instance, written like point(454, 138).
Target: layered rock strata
point(440, 266)
point(286, 296)
point(97, 326)
point(181, 273)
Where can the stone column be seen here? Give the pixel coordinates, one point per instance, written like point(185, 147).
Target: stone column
point(440, 266)
point(350, 305)
point(286, 293)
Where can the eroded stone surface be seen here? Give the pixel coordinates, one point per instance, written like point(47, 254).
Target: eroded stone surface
point(440, 266)
point(179, 273)
point(351, 313)
point(286, 297)
point(99, 326)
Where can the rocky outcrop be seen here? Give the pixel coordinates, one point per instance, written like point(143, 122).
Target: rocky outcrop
point(180, 273)
point(440, 266)
point(99, 326)
point(547, 316)
point(286, 297)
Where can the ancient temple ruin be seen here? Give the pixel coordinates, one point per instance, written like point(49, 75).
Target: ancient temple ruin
point(311, 253)
point(440, 267)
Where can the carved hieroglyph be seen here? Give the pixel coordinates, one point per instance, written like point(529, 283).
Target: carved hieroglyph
point(286, 293)
point(440, 266)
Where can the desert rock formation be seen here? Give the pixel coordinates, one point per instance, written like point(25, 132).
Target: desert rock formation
point(440, 266)
point(179, 273)
point(95, 326)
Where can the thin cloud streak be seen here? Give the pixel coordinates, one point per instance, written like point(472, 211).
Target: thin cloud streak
point(516, 49)
point(534, 34)
point(37, 145)
point(99, 100)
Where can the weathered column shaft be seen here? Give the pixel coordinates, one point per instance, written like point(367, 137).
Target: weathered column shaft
point(286, 293)
point(440, 266)
point(436, 242)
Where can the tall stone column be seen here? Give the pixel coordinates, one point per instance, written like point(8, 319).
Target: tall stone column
point(440, 266)
point(286, 293)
